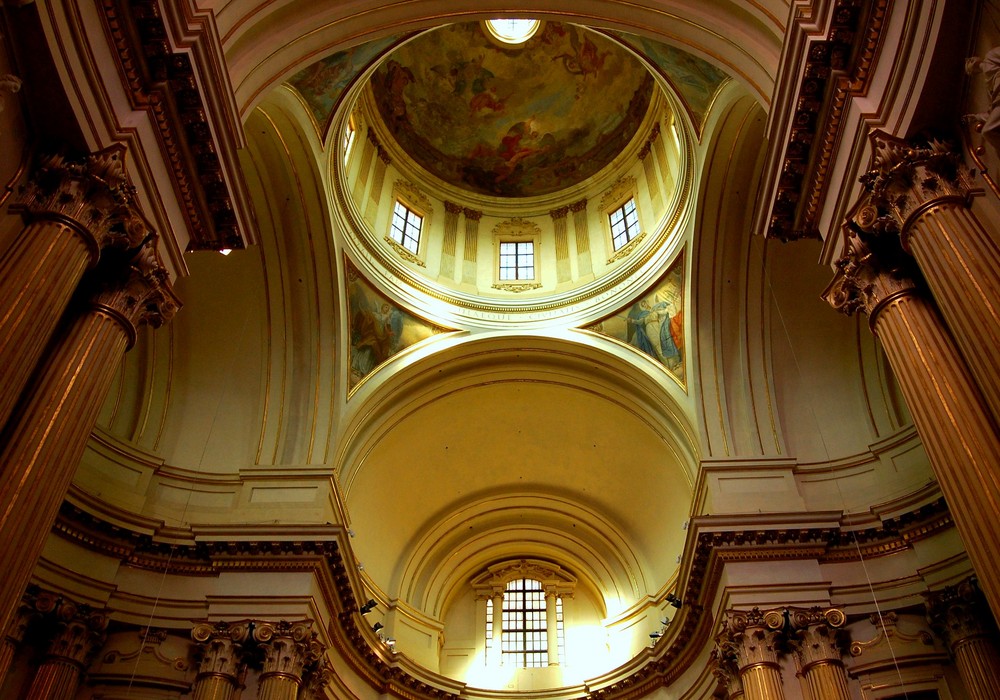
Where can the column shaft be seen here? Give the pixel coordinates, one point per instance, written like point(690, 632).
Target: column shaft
point(954, 426)
point(762, 682)
point(37, 279)
point(497, 629)
point(214, 687)
point(979, 666)
point(552, 628)
point(961, 264)
point(55, 680)
point(47, 444)
point(277, 686)
point(827, 681)
point(7, 649)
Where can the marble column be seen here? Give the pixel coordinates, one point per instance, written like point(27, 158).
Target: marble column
point(922, 196)
point(949, 412)
point(288, 648)
point(48, 436)
point(79, 634)
point(220, 665)
point(71, 210)
point(815, 640)
point(960, 615)
point(751, 639)
point(552, 627)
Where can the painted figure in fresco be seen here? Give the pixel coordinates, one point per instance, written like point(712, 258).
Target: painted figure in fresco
point(397, 77)
point(640, 318)
point(586, 60)
point(375, 337)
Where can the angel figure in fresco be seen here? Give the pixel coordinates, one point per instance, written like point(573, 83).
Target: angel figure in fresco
point(586, 60)
point(486, 100)
point(396, 78)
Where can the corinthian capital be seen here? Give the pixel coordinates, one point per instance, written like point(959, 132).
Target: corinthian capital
point(288, 647)
point(959, 613)
point(78, 633)
point(751, 637)
point(871, 272)
point(905, 179)
point(92, 195)
point(815, 634)
point(139, 292)
point(220, 647)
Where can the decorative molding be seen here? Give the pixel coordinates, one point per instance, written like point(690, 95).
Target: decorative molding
point(516, 287)
point(161, 81)
point(404, 253)
point(836, 68)
point(886, 624)
point(617, 193)
point(516, 228)
point(627, 249)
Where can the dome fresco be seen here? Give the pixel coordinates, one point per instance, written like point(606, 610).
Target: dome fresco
point(512, 121)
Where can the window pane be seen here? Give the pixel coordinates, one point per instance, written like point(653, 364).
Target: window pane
point(624, 223)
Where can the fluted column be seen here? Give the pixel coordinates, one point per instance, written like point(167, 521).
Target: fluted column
point(552, 626)
point(49, 434)
point(71, 211)
point(959, 614)
point(751, 639)
point(922, 194)
point(815, 641)
point(79, 634)
point(960, 438)
point(288, 648)
point(220, 648)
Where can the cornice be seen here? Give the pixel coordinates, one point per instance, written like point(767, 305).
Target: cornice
point(168, 84)
point(835, 67)
point(713, 542)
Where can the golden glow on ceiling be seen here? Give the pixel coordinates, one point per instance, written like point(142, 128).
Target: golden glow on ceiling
point(513, 31)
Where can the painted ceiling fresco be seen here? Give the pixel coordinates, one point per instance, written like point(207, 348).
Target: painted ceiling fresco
point(324, 82)
point(379, 328)
point(695, 81)
point(515, 121)
point(654, 323)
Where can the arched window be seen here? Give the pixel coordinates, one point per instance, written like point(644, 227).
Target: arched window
point(525, 613)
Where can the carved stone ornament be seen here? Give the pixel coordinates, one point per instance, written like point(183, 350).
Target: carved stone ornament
point(959, 613)
point(494, 580)
point(92, 195)
point(618, 192)
point(79, 633)
point(220, 647)
point(905, 180)
point(627, 249)
point(150, 641)
point(870, 273)
point(288, 647)
point(516, 228)
point(315, 680)
point(887, 626)
point(725, 670)
point(752, 637)
point(404, 253)
point(408, 192)
point(816, 635)
point(516, 287)
point(140, 293)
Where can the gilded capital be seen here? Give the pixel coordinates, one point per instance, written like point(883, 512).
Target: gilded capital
point(815, 635)
point(78, 633)
point(220, 647)
point(139, 292)
point(287, 647)
point(752, 637)
point(315, 680)
point(726, 671)
point(92, 195)
point(872, 272)
point(906, 179)
point(960, 613)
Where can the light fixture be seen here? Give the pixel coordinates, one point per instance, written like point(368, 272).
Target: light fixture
point(665, 622)
point(377, 626)
point(368, 607)
point(674, 600)
point(655, 635)
point(225, 251)
point(390, 642)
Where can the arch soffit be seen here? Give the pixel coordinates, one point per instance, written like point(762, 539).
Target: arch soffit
point(747, 44)
point(570, 361)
